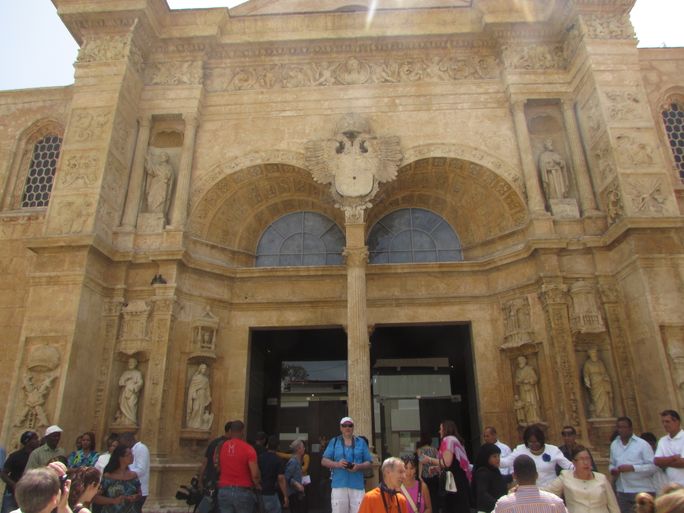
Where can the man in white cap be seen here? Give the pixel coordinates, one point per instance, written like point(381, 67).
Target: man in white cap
point(347, 456)
point(48, 451)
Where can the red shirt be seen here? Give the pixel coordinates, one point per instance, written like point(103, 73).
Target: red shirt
point(234, 463)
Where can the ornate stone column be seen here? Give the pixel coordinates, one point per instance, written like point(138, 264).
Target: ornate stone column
point(354, 162)
point(137, 174)
point(111, 315)
point(180, 204)
point(584, 188)
point(358, 349)
point(535, 199)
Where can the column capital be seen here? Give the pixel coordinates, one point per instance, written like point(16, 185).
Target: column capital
point(356, 257)
point(145, 119)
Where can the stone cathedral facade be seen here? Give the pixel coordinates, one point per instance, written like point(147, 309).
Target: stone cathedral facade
point(511, 169)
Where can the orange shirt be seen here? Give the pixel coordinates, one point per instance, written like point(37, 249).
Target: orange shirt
point(372, 503)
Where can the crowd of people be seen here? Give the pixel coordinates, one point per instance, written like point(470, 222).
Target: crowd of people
point(645, 475)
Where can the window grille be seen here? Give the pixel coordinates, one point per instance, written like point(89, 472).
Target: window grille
point(41, 172)
point(674, 126)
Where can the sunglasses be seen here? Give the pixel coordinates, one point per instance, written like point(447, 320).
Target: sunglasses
point(347, 425)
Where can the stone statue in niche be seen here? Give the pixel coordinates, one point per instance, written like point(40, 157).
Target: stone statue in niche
point(131, 383)
point(526, 380)
point(597, 381)
point(519, 408)
point(160, 176)
point(553, 173)
point(198, 415)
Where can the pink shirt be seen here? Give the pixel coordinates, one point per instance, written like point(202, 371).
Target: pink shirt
point(413, 492)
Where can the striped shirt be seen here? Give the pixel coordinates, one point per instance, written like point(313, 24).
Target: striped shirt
point(530, 499)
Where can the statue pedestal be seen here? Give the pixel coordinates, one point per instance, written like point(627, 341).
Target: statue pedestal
point(151, 223)
point(564, 208)
point(600, 431)
point(194, 434)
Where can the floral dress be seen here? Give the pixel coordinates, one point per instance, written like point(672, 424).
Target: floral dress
point(113, 488)
point(82, 459)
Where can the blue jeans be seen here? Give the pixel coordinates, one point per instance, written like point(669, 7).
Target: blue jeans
point(271, 503)
point(235, 499)
point(8, 503)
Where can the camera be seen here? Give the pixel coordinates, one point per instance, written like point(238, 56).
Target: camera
point(349, 465)
point(62, 482)
point(190, 494)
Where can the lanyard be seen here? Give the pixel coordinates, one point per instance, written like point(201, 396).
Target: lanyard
point(384, 502)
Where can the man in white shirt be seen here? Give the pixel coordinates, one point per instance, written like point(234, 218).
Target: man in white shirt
point(140, 465)
point(668, 455)
point(631, 463)
point(490, 437)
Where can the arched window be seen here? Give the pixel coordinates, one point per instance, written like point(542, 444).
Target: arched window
point(300, 239)
point(41, 172)
point(413, 235)
point(673, 117)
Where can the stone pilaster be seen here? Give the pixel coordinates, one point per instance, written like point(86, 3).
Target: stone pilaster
point(358, 349)
point(584, 189)
point(180, 204)
point(554, 300)
point(535, 199)
point(137, 174)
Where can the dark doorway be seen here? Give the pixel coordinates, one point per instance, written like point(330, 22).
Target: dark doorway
point(422, 374)
point(298, 389)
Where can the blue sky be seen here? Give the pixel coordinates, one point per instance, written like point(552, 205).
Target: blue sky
point(31, 61)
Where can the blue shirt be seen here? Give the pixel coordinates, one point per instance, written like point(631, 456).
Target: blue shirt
point(639, 454)
point(356, 453)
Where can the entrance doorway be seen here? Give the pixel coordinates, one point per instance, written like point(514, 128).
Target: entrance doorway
point(422, 374)
point(298, 389)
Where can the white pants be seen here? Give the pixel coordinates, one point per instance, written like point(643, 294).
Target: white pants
point(346, 500)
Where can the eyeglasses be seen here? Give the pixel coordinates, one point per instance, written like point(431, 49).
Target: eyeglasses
point(347, 425)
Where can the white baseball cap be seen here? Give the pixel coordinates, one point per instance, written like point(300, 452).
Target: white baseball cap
point(346, 420)
point(53, 429)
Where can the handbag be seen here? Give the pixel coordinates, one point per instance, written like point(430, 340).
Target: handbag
point(447, 483)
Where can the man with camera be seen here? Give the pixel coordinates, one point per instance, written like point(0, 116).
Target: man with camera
point(347, 456)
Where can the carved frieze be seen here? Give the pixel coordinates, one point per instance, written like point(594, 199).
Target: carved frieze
point(534, 56)
point(608, 26)
point(612, 197)
point(87, 125)
point(79, 170)
point(352, 71)
point(104, 48)
point(174, 73)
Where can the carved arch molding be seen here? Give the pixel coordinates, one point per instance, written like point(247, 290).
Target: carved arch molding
point(235, 206)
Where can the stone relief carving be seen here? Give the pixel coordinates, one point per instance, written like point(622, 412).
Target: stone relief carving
point(43, 364)
point(608, 26)
point(593, 117)
point(623, 105)
point(632, 152)
point(198, 412)
point(130, 383)
point(526, 379)
point(204, 330)
point(72, 215)
point(647, 196)
point(120, 133)
point(599, 384)
point(614, 205)
point(533, 56)
point(105, 48)
point(352, 71)
point(586, 316)
point(554, 174)
point(134, 326)
point(517, 323)
point(80, 170)
point(89, 126)
point(603, 159)
point(174, 73)
point(573, 36)
point(672, 336)
point(160, 179)
point(353, 162)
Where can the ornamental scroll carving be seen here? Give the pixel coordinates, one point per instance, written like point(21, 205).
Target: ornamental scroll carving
point(534, 56)
point(611, 26)
point(352, 71)
point(174, 73)
point(38, 382)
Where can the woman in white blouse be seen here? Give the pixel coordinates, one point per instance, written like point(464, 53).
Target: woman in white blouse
point(545, 456)
point(584, 491)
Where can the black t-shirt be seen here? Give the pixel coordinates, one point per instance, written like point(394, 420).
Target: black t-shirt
point(15, 465)
point(270, 466)
point(210, 472)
